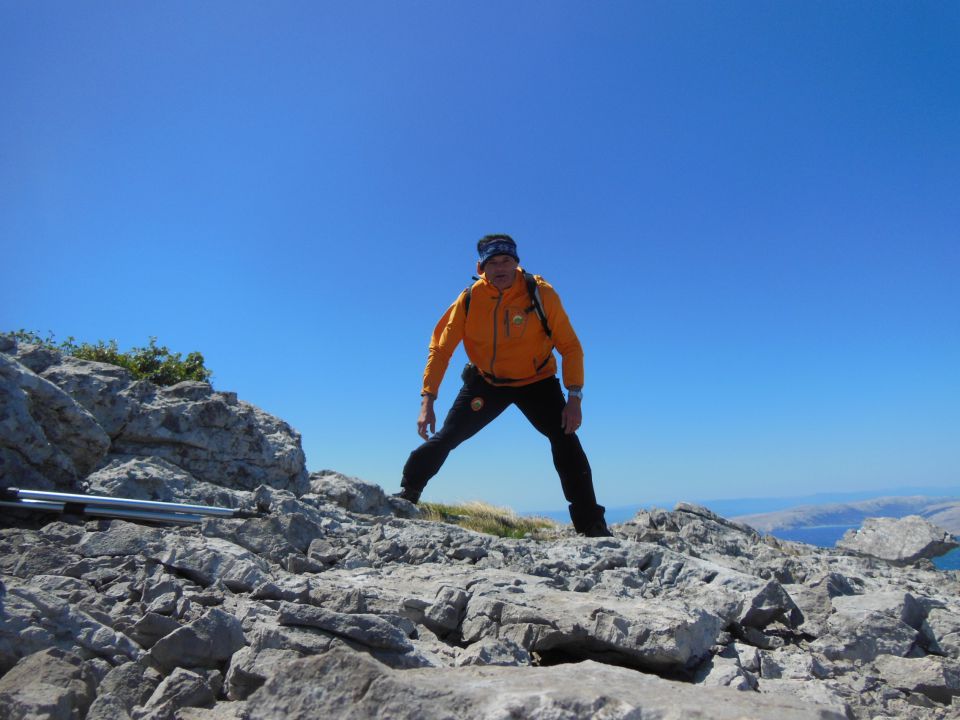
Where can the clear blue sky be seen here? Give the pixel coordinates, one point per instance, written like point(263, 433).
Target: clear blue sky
point(750, 210)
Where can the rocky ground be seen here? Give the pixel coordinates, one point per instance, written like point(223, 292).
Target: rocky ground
point(337, 601)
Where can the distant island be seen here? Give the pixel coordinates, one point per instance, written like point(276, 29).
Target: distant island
point(944, 512)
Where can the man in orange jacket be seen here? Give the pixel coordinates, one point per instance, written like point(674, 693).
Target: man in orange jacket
point(510, 347)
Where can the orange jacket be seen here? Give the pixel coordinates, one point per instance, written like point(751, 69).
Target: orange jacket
point(505, 342)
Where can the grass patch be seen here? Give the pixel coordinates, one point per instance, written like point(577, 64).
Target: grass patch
point(479, 516)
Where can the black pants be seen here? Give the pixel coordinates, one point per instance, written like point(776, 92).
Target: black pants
point(477, 404)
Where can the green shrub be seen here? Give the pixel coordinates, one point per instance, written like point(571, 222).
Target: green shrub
point(155, 363)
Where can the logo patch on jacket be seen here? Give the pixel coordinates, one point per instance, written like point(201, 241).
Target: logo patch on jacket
point(476, 404)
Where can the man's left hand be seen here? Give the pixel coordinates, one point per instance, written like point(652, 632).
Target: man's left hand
point(572, 416)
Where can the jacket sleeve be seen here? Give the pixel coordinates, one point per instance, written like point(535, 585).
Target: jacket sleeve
point(564, 337)
point(446, 336)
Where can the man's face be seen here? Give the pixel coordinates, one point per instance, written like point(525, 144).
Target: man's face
point(500, 271)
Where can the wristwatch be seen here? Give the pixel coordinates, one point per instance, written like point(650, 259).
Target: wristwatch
point(575, 393)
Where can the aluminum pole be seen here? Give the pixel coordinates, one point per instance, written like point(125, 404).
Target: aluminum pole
point(103, 501)
point(109, 512)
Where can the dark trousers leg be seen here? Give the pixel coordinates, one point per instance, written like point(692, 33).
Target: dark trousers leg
point(461, 423)
point(542, 403)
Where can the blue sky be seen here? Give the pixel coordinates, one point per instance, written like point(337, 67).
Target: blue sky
point(749, 209)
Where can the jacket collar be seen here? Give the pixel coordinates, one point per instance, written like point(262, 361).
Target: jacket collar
point(495, 291)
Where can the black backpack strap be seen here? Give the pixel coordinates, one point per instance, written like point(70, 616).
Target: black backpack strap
point(533, 290)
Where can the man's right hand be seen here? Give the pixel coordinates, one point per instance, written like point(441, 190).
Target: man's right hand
point(427, 420)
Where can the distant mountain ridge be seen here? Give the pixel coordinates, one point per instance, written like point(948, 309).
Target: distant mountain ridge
point(942, 511)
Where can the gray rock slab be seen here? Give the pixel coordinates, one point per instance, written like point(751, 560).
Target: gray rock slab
point(153, 478)
point(726, 672)
point(213, 436)
point(51, 684)
point(124, 687)
point(249, 669)
point(943, 625)
point(236, 710)
point(98, 387)
point(273, 537)
point(828, 694)
point(121, 538)
point(209, 560)
point(364, 628)
point(491, 651)
point(57, 618)
point(660, 636)
point(937, 678)
point(44, 429)
point(348, 685)
point(182, 688)
point(864, 638)
point(207, 642)
point(901, 541)
point(352, 494)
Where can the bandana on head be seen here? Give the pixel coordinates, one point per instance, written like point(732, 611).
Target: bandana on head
point(498, 247)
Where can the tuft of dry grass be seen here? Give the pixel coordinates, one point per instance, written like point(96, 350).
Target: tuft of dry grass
point(486, 518)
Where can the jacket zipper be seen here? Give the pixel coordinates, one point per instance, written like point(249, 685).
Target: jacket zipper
point(496, 309)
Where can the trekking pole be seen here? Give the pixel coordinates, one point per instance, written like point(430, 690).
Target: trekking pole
point(124, 508)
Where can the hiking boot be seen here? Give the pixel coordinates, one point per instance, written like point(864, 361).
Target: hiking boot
point(598, 529)
point(408, 495)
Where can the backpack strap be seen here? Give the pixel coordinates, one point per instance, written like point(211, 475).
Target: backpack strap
point(533, 290)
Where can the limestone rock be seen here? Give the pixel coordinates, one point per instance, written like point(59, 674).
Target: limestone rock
point(47, 440)
point(182, 688)
point(208, 642)
point(50, 684)
point(153, 478)
point(124, 687)
point(937, 678)
point(366, 629)
point(347, 685)
point(901, 541)
point(102, 389)
point(210, 560)
point(213, 436)
point(352, 494)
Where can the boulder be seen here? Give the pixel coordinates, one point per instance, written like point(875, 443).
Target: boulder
point(352, 494)
point(102, 389)
point(213, 436)
point(901, 541)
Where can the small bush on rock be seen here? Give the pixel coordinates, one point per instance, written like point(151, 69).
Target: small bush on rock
point(153, 362)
